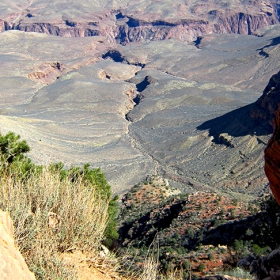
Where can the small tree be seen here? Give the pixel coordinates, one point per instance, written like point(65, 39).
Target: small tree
point(11, 148)
point(12, 156)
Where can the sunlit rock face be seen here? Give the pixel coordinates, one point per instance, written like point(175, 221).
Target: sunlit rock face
point(13, 265)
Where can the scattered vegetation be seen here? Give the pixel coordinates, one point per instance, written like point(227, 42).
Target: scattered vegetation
point(57, 210)
point(201, 232)
point(238, 273)
point(54, 210)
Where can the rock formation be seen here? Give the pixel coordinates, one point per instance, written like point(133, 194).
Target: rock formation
point(12, 265)
point(265, 107)
point(272, 152)
point(267, 267)
point(128, 21)
point(132, 108)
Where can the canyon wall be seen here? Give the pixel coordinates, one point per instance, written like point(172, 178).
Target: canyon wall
point(123, 24)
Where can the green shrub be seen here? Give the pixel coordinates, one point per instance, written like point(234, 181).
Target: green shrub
point(238, 273)
point(12, 157)
point(201, 267)
point(11, 148)
point(54, 209)
point(258, 251)
point(211, 256)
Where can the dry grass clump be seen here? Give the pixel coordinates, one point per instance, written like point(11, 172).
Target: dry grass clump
point(150, 269)
point(53, 215)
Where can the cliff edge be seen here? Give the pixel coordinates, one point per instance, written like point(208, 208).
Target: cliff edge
point(272, 151)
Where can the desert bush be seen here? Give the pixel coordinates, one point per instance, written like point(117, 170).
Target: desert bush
point(94, 178)
point(201, 267)
point(54, 210)
point(258, 251)
point(238, 273)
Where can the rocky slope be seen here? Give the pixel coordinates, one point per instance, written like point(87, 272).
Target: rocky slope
point(266, 106)
point(199, 233)
point(133, 110)
point(206, 233)
point(167, 125)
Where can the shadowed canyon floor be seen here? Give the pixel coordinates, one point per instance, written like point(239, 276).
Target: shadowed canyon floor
point(181, 110)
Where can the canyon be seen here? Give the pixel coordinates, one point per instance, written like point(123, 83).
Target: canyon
point(140, 88)
point(179, 96)
point(133, 21)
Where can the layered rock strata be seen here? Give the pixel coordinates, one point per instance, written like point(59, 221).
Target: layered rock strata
point(130, 21)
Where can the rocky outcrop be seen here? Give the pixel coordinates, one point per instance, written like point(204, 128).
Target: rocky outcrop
point(139, 30)
point(265, 107)
point(267, 267)
point(189, 30)
point(62, 30)
point(271, 99)
point(12, 265)
point(47, 72)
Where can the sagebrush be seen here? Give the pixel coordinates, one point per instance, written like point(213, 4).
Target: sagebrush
point(54, 210)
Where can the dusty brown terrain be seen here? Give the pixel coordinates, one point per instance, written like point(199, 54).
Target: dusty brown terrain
point(103, 85)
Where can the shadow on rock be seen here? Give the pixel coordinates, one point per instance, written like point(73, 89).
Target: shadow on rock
point(237, 123)
point(274, 42)
point(255, 118)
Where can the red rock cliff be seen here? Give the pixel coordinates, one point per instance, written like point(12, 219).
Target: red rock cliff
point(272, 151)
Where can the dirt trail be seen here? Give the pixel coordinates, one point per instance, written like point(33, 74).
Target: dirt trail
point(89, 268)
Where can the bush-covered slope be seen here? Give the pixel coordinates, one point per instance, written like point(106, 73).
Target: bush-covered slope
point(198, 233)
point(54, 210)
